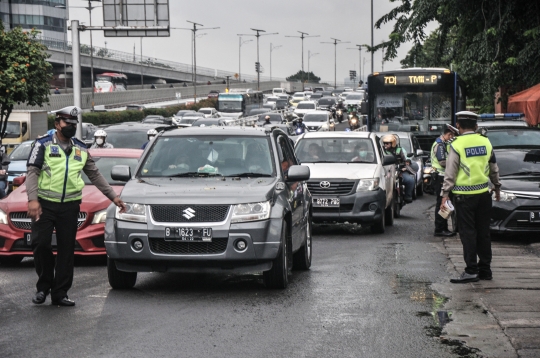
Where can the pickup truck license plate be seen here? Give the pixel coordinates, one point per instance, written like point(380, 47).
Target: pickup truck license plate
point(535, 216)
point(28, 239)
point(188, 234)
point(326, 202)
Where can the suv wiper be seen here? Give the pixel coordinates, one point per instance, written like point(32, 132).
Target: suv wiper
point(249, 175)
point(528, 172)
point(193, 174)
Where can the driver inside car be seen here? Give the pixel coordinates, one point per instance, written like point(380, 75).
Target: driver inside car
point(181, 162)
point(314, 152)
point(362, 154)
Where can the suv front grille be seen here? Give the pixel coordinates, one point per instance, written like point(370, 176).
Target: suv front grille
point(336, 187)
point(160, 246)
point(21, 220)
point(189, 213)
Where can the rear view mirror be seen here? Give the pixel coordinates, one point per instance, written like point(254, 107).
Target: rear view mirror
point(298, 173)
point(389, 159)
point(121, 173)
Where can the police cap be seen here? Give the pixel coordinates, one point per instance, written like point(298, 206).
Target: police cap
point(467, 115)
point(68, 114)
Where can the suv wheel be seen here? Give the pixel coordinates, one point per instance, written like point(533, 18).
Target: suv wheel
point(389, 213)
point(378, 227)
point(120, 279)
point(278, 275)
point(302, 258)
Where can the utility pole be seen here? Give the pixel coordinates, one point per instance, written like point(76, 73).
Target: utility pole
point(310, 55)
point(335, 43)
point(258, 64)
point(240, 43)
point(65, 42)
point(359, 60)
point(372, 29)
point(302, 37)
point(271, 49)
point(90, 8)
point(142, 80)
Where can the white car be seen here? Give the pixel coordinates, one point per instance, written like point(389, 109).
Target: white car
point(318, 121)
point(305, 106)
point(354, 99)
point(276, 91)
point(209, 112)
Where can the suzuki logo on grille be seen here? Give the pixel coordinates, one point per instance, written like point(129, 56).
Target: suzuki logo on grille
point(189, 213)
point(325, 184)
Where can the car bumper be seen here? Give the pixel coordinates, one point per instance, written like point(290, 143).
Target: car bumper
point(263, 239)
point(363, 208)
point(515, 217)
point(89, 242)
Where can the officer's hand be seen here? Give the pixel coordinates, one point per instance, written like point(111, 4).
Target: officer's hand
point(497, 194)
point(118, 202)
point(34, 210)
point(443, 203)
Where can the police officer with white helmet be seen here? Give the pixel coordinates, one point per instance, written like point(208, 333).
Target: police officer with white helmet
point(100, 140)
point(54, 187)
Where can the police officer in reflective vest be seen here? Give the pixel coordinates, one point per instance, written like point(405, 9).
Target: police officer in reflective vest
point(470, 166)
point(54, 186)
point(439, 153)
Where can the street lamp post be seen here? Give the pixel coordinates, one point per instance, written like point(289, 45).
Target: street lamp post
point(271, 49)
point(259, 68)
point(359, 60)
point(240, 43)
point(335, 43)
point(310, 55)
point(372, 36)
point(65, 40)
point(90, 8)
point(302, 36)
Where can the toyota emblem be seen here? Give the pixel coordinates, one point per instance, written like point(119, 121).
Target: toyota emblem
point(325, 184)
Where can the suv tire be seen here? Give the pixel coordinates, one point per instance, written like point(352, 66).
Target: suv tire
point(302, 257)
point(397, 206)
point(389, 213)
point(120, 279)
point(378, 227)
point(278, 275)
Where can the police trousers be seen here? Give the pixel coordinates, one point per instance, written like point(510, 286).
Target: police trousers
point(473, 214)
point(55, 276)
point(441, 224)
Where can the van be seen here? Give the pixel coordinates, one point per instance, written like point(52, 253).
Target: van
point(276, 91)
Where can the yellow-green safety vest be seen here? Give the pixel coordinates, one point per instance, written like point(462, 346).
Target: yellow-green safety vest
point(474, 152)
point(434, 161)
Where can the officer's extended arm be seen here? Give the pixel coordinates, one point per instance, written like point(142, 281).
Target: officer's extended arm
point(494, 172)
point(91, 170)
point(450, 173)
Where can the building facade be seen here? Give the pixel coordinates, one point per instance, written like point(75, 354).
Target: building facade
point(47, 16)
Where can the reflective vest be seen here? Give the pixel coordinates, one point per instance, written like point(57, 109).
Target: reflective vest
point(474, 152)
point(434, 161)
point(60, 178)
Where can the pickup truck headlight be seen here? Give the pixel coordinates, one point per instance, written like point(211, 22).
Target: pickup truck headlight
point(250, 212)
point(505, 196)
point(100, 217)
point(3, 217)
point(134, 212)
point(367, 185)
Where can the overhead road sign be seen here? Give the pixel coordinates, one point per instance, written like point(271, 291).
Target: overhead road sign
point(136, 18)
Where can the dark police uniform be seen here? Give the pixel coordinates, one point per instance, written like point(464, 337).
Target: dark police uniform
point(471, 164)
point(439, 152)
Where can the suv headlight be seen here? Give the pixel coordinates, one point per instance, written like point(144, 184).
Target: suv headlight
point(367, 185)
point(100, 217)
point(250, 212)
point(3, 217)
point(505, 196)
point(134, 212)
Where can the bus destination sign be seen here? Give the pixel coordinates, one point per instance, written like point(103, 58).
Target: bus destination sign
point(410, 80)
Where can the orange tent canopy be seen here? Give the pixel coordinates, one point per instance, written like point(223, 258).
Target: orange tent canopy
point(527, 102)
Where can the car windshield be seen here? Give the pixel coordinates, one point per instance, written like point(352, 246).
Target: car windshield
point(105, 164)
point(206, 122)
point(312, 117)
point(513, 163)
point(21, 152)
point(131, 138)
point(13, 130)
point(514, 138)
point(354, 97)
point(335, 150)
point(205, 111)
point(274, 118)
point(187, 120)
point(327, 101)
point(196, 156)
point(306, 106)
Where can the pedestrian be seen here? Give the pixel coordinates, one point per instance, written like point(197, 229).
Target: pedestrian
point(54, 188)
point(56, 91)
point(153, 86)
point(184, 84)
point(439, 152)
point(100, 140)
point(470, 165)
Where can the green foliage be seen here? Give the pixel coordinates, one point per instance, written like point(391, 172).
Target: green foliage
point(115, 117)
point(491, 44)
point(302, 76)
point(24, 72)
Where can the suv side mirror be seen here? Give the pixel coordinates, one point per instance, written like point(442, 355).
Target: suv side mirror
point(6, 162)
point(121, 173)
point(387, 160)
point(298, 173)
point(410, 155)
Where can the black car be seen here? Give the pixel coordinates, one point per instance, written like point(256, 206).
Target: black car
point(327, 102)
point(156, 119)
point(212, 199)
point(206, 122)
point(129, 134)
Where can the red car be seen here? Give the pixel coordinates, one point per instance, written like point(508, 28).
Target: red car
point(15, 226)
point(213, 94)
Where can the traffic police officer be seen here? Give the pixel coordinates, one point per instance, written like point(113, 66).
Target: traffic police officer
point(470, 166)
point(54, 187)
point(439, 153)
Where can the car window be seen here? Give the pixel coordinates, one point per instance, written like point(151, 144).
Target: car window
point(105, 164)
point(21, 152)
point(319, 117)
point(286, 159)
point(127, 138)
point(306, 106)
point(205, 155)
point(327, 101)
point(514, 138)
point(336, 150)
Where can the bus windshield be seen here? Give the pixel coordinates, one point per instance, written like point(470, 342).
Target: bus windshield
point(230, 106)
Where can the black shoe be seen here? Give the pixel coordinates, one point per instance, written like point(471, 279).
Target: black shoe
point(487, 276)
point(408, 200)
point(40, 297)
point(445, 233)
point(64, 302)
point(465, 277)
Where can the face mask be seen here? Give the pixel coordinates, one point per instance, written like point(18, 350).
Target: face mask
point(68, 131)
point(99, 141)
point(362, 153)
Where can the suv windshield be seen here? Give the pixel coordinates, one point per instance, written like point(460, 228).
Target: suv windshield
point(323, 117)
point(199, 156)
point(335, 150)
point(22, 151)
point(306, 106)
point(105, 165)
point(514, 138)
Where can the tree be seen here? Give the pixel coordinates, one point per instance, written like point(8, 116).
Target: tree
point(302, 76)
point(24, 72)
point(492, 44)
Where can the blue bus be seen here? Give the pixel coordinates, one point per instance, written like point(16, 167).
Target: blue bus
point(238, 104)
point(419, 100)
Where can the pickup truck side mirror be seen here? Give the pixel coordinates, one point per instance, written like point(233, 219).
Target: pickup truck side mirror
point(387, 160)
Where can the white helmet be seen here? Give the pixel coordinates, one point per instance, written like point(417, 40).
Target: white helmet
point(100, 133)
point(151, 133)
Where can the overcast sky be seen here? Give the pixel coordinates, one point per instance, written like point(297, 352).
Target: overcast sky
point(346, 20)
